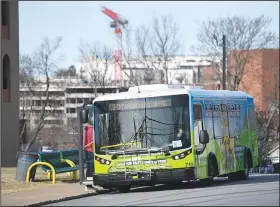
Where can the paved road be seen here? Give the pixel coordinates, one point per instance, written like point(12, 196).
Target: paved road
point(259, 190)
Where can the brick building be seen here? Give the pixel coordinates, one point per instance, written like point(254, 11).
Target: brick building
point(210, 78)
point(260, 77)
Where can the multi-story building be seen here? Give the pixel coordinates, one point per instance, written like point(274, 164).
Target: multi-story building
point(181, 69)
point(65, 95)
point(76, 95)
point(31, 104)
point(9, 83)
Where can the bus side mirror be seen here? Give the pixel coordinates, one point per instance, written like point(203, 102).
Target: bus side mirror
point(203, 137)
point(83, 116)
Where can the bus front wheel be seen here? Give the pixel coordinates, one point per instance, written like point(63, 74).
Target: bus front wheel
point(123, 188)
point(212, 172)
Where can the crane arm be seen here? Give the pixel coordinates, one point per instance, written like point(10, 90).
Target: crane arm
point(110, 13)
point(117, 19)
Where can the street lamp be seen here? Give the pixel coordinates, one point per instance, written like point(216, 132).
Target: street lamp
point(224, 57)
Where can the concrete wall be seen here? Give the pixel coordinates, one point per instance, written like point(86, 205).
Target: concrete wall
point(10, 110)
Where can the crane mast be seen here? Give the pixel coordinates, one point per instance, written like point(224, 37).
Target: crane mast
point(118, 23)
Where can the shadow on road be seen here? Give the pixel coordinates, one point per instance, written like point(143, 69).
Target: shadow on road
point(217, 182)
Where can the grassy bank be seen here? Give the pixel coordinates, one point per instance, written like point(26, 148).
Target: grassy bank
point(9, 183)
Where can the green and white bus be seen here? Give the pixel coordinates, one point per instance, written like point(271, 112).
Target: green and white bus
point(160, 134)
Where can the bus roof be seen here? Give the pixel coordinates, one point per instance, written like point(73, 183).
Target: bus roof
point(219, 94)
point(196, 93)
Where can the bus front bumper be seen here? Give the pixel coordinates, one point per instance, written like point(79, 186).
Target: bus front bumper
point(142, 178)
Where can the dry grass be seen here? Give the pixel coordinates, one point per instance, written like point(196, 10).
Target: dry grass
point(9, 184)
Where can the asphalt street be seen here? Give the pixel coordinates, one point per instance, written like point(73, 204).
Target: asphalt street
point(258, 190)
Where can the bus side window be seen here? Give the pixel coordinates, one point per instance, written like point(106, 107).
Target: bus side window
point(197, 116)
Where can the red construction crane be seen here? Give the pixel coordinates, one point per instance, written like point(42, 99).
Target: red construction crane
point(117, 23)
point(117, 20)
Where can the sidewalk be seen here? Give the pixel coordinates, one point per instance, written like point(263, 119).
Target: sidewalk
point(48, 193)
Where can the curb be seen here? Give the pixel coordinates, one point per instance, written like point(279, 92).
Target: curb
point(68, 198)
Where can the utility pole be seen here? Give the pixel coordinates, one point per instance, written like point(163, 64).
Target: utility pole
point(224, 62)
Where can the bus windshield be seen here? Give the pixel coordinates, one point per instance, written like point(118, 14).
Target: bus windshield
point(154, 122)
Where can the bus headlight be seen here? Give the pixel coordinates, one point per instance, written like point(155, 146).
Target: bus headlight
point(182, 155)
point(179, 156)
point(102, 161)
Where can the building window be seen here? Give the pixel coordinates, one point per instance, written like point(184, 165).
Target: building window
point(72, 101)
point(37, 103)
point(185, 67)
point(5, 12)
point(6, 79)
point(190, 61)
point(71, 110)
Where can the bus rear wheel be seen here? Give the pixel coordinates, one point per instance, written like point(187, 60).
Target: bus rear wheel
point(244, 174)
point(241, 175)
point(123, 188)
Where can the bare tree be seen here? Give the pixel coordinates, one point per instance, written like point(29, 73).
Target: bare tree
point(242, 34)
point(73, 128)
point(96, 59)
point(67, 136)
point(71, 71)
point(35, 72)
point(152, 48)
point(268, 120)
point(149, 75)
point(159, 43)
point(126, 46)
point(269, 129)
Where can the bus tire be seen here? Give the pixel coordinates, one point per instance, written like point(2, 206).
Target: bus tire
point(174, 184)
point(241, 175)
point(212, 171)
point(233, 176)
point(244, 174)
point(123, 188)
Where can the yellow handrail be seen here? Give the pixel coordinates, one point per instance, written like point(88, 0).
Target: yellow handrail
point(41, 163)
point(53, 173)
point(72, 164)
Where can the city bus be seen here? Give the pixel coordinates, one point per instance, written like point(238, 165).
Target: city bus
point(168, 134)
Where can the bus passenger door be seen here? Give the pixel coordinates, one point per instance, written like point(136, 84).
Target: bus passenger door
point(198, 126)
point(222, 134)
point(253, 136)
